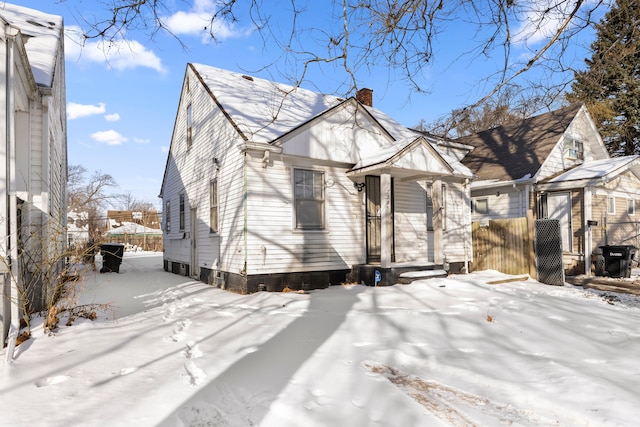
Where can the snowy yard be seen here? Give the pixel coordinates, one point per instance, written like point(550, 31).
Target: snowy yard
point(442, 352)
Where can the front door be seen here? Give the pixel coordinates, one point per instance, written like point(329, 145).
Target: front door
point(559, 207)
point(195, 270)
point(374, 220)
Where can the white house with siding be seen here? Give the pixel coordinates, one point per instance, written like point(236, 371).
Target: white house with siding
point(556, 166)
point(34, 150)
point(269, 186)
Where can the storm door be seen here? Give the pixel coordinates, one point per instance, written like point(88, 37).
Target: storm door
point(559, 207)
point(374, 220)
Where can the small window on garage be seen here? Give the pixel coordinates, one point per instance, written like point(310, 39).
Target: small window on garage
point(611, 205)
point(482, 206)
point(631, 207)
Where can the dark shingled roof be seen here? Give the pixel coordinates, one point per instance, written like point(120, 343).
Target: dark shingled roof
point(512, 151)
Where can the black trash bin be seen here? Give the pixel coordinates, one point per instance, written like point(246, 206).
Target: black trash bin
point(617, 259)
point(112, 254)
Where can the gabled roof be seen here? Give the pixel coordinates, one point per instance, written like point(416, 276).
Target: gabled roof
point(413, 155)
point(513, 151)
point(592, 172)
point(262, 110)
point(44, 33)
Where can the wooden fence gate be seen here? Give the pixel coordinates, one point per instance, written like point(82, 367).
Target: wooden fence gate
point(505, 245)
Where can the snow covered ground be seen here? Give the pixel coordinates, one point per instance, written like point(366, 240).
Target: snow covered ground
point(441, 352)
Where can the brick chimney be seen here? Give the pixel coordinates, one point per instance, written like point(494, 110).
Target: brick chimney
point(365, 96)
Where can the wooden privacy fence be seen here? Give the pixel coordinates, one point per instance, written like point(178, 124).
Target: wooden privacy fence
point(505, 245)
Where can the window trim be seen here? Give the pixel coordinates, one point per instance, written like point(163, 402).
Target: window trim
point(429, 207)
point(182, 219)
point(443, 206)
point(167, 216)
point(213, 207)
point(631, 207)
point(189, 126)
point(476, 205)
point(611, 205)
point(322, 200)
point(574, 148)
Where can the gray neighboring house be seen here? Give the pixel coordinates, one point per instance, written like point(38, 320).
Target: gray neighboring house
point(555, 165)
point(34, 150)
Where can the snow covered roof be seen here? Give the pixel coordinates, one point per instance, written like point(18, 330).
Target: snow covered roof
point(131, 228)
point(263, 110)
point(595, 169)
point(43, 33)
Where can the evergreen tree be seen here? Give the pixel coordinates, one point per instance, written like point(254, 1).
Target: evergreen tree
point(610, 87)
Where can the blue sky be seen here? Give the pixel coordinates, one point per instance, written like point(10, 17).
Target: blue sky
point(122, 102)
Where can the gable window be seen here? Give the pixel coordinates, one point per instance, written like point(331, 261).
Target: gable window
point(181, 212)
point(309, 199)
point(189, 126)
point(574, 148)
point(213, 206)
point(631, 207)
point(429, 207)
point(481, 206)
point(611, 205)
point(167, 216)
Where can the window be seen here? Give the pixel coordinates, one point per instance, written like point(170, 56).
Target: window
point(213, 206)
point(611, 205)
point(443, 207)
point(309, 199)
point(181, 212)
point(482, 206)
point(167, 216)
point(429, 207)
point(631, 207)
point(574, 148)
point(189, 126)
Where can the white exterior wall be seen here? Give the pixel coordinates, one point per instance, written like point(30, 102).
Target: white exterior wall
point(456, 237)
point(273, 243)
point(213, 138)
point(503, 202)
point(581, 129)
point(341, 135)
point(413, 242)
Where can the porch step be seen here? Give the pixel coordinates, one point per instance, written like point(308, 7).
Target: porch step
point(409, 276)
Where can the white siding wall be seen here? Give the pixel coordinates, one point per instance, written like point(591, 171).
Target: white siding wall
point(413, 242)
point(456, 237)
point(340, 135)
point(503, 202)
point(213, 138)
point(274, 246)
point(558, 160)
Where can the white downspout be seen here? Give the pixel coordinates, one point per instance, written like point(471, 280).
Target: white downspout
point(467, 214)
point(11, 213)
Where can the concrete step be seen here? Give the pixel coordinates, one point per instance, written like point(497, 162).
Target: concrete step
point(410, 276)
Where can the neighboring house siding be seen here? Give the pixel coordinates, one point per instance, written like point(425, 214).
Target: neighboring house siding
point(503, 202)
point(619, 228)
point(577, 221)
